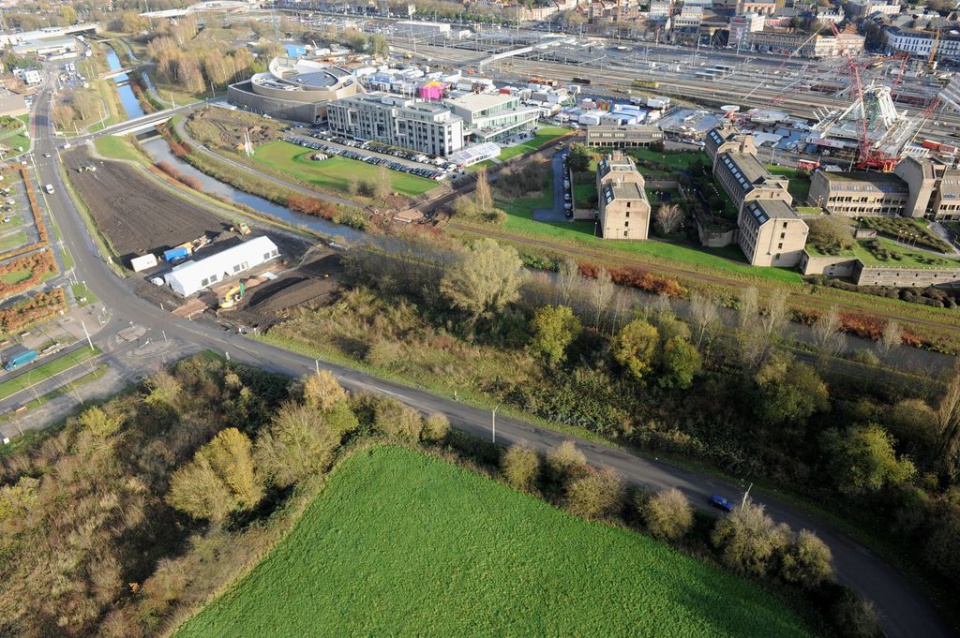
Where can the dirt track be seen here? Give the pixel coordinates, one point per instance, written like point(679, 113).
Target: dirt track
point(135, 215)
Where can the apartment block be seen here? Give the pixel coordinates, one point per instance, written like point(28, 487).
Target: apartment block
point(745, 179)
point(425, 127)
point(771, 233)
point(624, 209)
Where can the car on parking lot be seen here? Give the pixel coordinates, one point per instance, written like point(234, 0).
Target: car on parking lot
point(721, 503)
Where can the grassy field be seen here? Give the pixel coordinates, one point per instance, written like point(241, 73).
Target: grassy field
point(18, 138)
point(45, 371)
point(113, 147)
point(334, 173)
point(676, 160)
point(545, 135)
point(14, 240)
point(402, 544)
point(16, 276)
point(80, 291)
point(799, 185)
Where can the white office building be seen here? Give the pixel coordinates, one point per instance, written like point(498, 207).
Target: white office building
point(493, 117)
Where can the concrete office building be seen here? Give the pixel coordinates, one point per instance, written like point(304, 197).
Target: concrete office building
point(623, 136)
point(425, 127)
point(856, 194)
point(771, 233)
point(493, 117)
point(624, 209)
point(934, 188)
point(726, 138)
point(296, 89)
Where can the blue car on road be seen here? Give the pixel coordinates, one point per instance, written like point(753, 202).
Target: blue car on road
point(721, 503)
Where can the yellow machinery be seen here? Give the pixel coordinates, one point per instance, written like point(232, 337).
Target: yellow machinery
point(240, 228)
point(233, 296)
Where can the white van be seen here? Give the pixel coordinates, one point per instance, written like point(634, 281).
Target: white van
point(49, 189)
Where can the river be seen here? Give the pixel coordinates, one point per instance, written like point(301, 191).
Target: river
point(129, 101)
point(159, 151)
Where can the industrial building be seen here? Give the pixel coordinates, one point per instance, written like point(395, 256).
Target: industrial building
point(624, 208)
point(622, 136)
point(425, 127)
point(193, 276)
point(296, 89)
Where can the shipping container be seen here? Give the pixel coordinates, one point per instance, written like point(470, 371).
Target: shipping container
point(143, 262)
point(180, 252)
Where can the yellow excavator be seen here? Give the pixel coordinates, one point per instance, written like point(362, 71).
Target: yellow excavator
point(233, 296)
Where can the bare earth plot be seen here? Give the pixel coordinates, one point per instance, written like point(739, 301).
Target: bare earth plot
point(135, 215)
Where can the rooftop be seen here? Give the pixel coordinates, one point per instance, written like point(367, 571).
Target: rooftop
point(763, 210)
point(481, 101)
point(749, 172)
point(865, 182)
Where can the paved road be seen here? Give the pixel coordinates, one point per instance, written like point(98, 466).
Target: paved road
point(555, 213)
point(906, 612)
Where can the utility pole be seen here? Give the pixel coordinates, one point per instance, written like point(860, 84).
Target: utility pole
point(493, 423)
point(84, 326)
point(746, 495)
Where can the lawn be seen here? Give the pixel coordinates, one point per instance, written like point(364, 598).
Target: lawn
point(334, 173)
point(45, 371)
point(15, 277)
point(80, 291)
point(676, 160)
point(544, 135)
point(120, 148)
point(13, 240)
point(19, 138)
point(402, 544)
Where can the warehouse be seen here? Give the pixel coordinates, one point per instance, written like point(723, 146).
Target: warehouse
point(194, 276)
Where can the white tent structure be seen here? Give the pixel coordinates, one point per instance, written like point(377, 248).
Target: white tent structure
point(194, 276)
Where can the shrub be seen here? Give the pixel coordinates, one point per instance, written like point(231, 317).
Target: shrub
point(808, 561)
point(668, 514)
point(322, 391)
point(520, 466)
point(596, 495)
point(749, 541)
point(435, 427)
point(393, 418)
point(565, 459)
point(297, 443)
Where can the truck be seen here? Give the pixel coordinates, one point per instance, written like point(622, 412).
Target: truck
point(20, 359)
point(176, 254)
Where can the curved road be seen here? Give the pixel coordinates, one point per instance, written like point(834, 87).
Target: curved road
point(906, 612)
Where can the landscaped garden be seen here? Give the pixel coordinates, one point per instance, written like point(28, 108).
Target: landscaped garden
point(400, 543)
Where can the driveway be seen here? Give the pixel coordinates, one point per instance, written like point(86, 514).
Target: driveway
point(554, 214)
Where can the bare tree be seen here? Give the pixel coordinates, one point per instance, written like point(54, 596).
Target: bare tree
point(948, 420)
point(703, 315)
point(483, 195)
point(602, 291)
point(890, 338)
point(773, 321)
point(749, 309)
point(668, 218)
point(568, 276)
point(826, 336)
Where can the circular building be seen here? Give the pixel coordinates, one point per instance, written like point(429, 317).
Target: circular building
point(295, 89)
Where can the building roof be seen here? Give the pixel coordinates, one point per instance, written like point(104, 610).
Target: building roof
point(950, 185)
point(480, 101)
point(865, 182)
point(609, 164)
point(749, 172)
point(626, 191)
point(763, 210)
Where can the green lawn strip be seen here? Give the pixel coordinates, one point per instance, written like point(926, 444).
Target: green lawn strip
point(45, 371)
point(543, 136)
point(585, 195)
point(29, 437)
point(16, 276)
point(14, 240)
point(678, 160)
point(908, 258)
point(404, 544)
point(80, 291)
point(334, 173)
point(119, 148)
point(799, 185)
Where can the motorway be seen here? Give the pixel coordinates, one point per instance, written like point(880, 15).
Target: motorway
point(905, 611)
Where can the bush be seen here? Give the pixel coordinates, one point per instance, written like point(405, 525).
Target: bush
point(393, 418)
point(597, 495)
point(808, 561)
point(520, 466)
point(322, 391)
point(435, 427)
point(667, 515)
point(749, 541)
point(565, 460)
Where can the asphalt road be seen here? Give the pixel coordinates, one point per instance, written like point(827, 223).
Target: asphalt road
point(905, 611)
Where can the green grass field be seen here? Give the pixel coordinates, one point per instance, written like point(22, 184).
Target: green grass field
point(799, 185)
point(334, 173)
point(13, 240)
point(15, 277)
point(402, 544)
point(114, 147)
point(18, 138)
point(45, 371)
point(545, 135)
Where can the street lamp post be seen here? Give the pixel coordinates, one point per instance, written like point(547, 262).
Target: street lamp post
point(493, 423)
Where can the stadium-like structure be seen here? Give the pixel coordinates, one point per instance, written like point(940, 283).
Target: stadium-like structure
point(295, 89)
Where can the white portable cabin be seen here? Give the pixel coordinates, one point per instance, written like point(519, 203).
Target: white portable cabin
point(194, 276)
point(143, 262)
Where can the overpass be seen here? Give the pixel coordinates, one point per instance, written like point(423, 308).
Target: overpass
point(109, 75)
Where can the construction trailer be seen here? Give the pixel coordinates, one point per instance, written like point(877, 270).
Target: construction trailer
point(194, 276)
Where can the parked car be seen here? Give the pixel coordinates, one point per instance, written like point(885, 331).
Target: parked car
point(721, 503)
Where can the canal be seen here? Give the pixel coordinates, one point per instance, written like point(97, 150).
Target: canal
point(129, 101)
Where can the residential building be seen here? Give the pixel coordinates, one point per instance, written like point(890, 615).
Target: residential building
point(659, 9)
point(741, 25)
point(755, 6)
point(624, 209)
point(425, 127)
point(864, 8)
point(934, 188)
point(726, 138)
point(920, 43)
point(745, 179)
point(856, 194)
point(623, 136)
point(771, 233)
point(492, 117)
